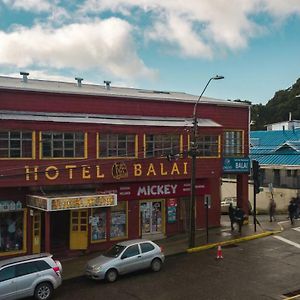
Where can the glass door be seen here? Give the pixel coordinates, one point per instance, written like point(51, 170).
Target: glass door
point(36, 232)
point(151, 217)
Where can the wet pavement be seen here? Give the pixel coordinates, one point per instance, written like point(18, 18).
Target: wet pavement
point(74, 267)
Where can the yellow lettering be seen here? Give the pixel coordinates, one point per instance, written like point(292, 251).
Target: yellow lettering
point(99, 174)
point(162, 171)
point(137, 169)
point(86, 172)
point(51, 168)
point(185, 168)
point(151, 170)
point(175, 169)
point(70, 168)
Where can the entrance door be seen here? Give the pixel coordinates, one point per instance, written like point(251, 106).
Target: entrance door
point(36, 232)
point(79, 229)
point(151, 217)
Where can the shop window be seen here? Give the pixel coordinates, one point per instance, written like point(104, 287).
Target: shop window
point(16, 144)
point(233, 143)
point(11, 231)
point(117, 145)
point(162, 144)
point(118, 222)
point(62, 144)
point(98, 224)
point(207, 145)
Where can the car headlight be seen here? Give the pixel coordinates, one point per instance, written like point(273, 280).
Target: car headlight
point(97, 268)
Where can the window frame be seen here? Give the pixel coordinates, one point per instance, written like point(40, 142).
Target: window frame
point(22, 140)
point(63, 140)
point(231, 149)
point(208, 143)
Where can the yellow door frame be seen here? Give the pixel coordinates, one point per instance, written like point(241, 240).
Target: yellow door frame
point(79, 229)
point(36, 232)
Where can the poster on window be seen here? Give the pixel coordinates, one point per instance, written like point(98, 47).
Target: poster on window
point(171, 214)
point(98, 224)
point(118, 224)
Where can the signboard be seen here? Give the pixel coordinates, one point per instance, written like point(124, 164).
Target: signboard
point(74, 202)
point(172, 206)
point(236, 165)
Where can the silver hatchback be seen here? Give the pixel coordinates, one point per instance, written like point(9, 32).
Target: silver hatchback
point(32, 275)
point(125, 257)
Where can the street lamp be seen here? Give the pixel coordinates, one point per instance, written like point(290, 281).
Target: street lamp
point(193, 175)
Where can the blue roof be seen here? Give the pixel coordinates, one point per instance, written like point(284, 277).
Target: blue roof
point(276, 147)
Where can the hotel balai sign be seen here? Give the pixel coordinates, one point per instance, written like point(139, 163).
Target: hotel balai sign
point(119, 170)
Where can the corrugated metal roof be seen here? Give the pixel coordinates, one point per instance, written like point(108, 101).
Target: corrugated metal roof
point(104, 119)
point(276, 147)
point(100, 90)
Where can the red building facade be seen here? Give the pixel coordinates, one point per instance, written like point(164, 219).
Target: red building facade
point(82, 166)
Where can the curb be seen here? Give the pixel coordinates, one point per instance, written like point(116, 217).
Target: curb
point(230, 242)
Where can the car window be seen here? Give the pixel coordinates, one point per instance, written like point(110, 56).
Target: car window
point(146, 247)
point(131, 251)
point(42, 265)
point(26, 268)
point(7, 273)
point(114, 251)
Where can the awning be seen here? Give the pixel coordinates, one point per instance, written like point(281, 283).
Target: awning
point(55, 203)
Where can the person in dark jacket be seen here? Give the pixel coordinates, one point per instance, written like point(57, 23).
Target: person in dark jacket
point(292, 209)
point(231, 214)
point(239, 217)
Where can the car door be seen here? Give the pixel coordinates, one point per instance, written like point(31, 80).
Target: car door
point(27, 274)
point(130, 260)
point(147, 254)
point(7, 283)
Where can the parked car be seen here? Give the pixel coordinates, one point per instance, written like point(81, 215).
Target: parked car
point(32, 275)
point(125, 257)
point(226, 202)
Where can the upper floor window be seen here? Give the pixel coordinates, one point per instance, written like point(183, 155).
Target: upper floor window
point(16, 144)
point(162, 144)
point(207, 145)
point(117, 145)
point(233, 143)
point(62, 144)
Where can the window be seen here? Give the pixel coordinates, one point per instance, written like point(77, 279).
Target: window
point(26, 268)
point(118, 222)
point(162, 144)
point(233, 143)
point(117, 145)
point(42, 265)
point(98, 223)
point(7, 273)
point(15, 144)
point(146, 247)
point(62, 144)
point(207, 145)
point(11, 230)
point(131, 251)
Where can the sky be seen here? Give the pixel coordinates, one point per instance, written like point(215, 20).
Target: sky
point(169, 45)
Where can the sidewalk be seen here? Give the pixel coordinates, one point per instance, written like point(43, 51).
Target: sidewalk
point(223, 235)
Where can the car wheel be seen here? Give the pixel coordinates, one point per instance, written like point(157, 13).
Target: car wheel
point(111, 275)
point(43, 291)
point(156, 265)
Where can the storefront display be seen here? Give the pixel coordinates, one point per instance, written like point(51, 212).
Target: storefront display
point(118, 224)
point(151, 214)
point(98, 225)
point(11, 231)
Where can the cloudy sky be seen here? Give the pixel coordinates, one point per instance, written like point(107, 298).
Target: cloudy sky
point(153, 44)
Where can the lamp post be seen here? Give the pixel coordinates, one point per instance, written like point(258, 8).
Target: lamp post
point(193, 175)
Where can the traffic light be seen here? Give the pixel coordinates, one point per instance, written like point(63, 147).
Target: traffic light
point(256, 176)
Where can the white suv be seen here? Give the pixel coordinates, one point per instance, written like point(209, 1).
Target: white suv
point(32, 275)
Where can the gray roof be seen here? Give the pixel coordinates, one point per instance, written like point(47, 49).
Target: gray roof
point(104, 119)
point(100, 90)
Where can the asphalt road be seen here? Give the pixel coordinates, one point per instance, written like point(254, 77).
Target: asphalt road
point(264, 268)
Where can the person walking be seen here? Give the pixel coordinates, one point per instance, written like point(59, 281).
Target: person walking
point(272, 209)
point(292, 208)
point(231, 214)
point(239, 217)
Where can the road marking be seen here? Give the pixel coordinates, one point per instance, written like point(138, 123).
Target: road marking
point(294, 297)
point(287, 241)
point(297, 229)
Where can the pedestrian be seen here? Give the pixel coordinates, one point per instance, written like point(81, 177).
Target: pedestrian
point(272, 209)
point(231, 214)
point(239, 217)
point(292, 209)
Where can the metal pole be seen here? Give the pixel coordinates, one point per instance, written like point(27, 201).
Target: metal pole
point(254, 207)
point(206, 203)
point(193, 168)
